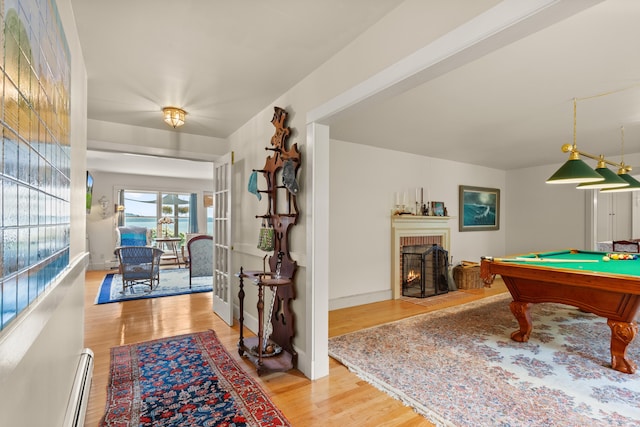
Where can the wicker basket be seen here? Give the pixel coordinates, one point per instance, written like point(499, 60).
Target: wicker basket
point(467, 275)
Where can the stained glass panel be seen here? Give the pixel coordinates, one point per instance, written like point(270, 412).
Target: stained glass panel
point(35, 154)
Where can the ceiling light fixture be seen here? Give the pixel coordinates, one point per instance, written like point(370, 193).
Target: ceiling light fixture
point(611, 180)
point(574, 171)
point(623, 172)
point(634, 184)
point(174, 116)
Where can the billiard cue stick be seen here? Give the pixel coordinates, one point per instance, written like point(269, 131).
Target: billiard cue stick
point(521, 259)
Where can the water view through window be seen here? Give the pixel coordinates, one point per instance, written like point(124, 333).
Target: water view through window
point(166, 214)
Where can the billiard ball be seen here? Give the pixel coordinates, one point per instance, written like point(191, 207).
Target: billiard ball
point(605, 258)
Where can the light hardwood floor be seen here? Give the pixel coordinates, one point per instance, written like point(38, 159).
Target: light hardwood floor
point(339, 399)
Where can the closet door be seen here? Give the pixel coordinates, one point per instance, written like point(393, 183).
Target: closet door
point(614, 216)
point(622, 217)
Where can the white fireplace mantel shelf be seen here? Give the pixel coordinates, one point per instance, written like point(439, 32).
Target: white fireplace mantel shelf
point(421, 218)
point(411, 226)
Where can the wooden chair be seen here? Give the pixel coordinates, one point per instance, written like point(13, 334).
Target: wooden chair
point(139, 265)
point(185, 248)
point(626, 246)
point(200, 249)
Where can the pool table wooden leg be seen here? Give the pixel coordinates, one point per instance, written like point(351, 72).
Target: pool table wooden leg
point(521, 312)
point(622, 334)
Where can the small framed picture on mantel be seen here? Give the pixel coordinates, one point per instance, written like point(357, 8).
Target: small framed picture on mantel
point(479, 208)
point(437, 208)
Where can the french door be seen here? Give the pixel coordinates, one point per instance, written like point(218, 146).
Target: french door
point(222, 300)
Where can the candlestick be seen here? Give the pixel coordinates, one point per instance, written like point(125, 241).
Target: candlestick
point(421, 196)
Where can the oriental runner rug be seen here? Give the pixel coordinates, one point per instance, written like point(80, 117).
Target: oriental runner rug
point(172, 282)
point(183, 381)
point(459, 367)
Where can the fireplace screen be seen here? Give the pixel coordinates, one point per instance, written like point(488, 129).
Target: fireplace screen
point(424, 271)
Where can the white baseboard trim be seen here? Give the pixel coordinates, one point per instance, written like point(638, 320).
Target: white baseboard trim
point(353, 300)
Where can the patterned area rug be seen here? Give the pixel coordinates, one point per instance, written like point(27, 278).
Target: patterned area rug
point(183, 381)
point(459, 367)
point(172, 282)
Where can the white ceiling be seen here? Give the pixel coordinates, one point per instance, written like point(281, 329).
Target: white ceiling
point(222, 61)
point(513, 107)
point(226, 61)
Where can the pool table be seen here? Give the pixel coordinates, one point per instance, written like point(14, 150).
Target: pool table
point(583, 279)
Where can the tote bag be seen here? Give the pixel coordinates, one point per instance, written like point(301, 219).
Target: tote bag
point(266, 238)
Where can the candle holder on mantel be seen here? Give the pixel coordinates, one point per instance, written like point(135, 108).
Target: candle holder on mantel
point(400, 210)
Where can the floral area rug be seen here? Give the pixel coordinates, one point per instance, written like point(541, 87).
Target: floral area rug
point(459, 367)
point(187, 380)
point(172, 282)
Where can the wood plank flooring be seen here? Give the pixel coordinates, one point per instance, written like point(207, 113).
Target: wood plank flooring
point(339, 399)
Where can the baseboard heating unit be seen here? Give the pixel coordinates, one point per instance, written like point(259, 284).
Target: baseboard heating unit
point(77, 406)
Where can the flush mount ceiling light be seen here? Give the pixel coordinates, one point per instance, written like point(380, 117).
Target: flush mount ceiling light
point(174, 116)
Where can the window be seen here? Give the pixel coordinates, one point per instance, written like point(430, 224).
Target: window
point(166, 214)
point(208, 205)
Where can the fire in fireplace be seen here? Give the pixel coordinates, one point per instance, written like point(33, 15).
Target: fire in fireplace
point(425, 271)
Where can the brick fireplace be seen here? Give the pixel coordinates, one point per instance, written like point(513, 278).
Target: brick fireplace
point(424, 270)
point(415, 230)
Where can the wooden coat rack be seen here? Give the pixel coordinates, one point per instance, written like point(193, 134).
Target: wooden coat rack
point(275, 352)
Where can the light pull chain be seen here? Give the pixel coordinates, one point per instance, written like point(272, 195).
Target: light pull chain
point(575, 120)
point(622, 144)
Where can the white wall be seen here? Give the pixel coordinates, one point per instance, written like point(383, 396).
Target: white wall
point(535, 216)
point(39, 351)
point(363, 181)
point(101, 231)
point(544, 216)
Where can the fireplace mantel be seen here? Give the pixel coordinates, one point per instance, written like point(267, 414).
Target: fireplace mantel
point(414, 226)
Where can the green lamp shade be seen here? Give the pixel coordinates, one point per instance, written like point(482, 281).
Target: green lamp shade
point(634, 185)
point(574, 171)
point(611, 180)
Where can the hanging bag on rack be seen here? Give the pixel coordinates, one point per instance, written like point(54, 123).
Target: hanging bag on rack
point(266, 239)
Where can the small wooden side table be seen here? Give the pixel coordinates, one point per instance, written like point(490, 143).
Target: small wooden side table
point(278, 353)
point(169, 244)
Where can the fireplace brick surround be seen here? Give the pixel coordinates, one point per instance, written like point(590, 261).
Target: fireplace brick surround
point(415, 230)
